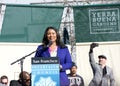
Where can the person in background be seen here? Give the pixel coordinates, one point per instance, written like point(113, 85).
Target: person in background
point(24, 80)
point(4, 80)
point(75, 79)
point(52, 46)
point(103, 75)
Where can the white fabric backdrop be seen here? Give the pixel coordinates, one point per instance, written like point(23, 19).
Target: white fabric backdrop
point(10, 52)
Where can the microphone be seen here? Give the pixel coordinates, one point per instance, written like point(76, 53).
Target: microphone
point(44, 48)
point(49, 44)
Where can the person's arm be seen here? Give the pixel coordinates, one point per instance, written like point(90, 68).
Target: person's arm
point(40, 50)
point(112, 80)
point(91, 56)
point(82, 83)
point(67, 61)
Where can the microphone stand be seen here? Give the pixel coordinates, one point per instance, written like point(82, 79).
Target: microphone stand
point(21, 60)
point(21, 64)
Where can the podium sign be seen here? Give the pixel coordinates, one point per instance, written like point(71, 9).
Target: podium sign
point(45, 71)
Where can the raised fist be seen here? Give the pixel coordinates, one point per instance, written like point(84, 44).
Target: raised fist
point(93, 45)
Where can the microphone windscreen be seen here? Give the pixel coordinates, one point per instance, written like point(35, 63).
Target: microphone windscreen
point(50, 43)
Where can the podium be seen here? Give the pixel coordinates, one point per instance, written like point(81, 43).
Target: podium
point(45, 71)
